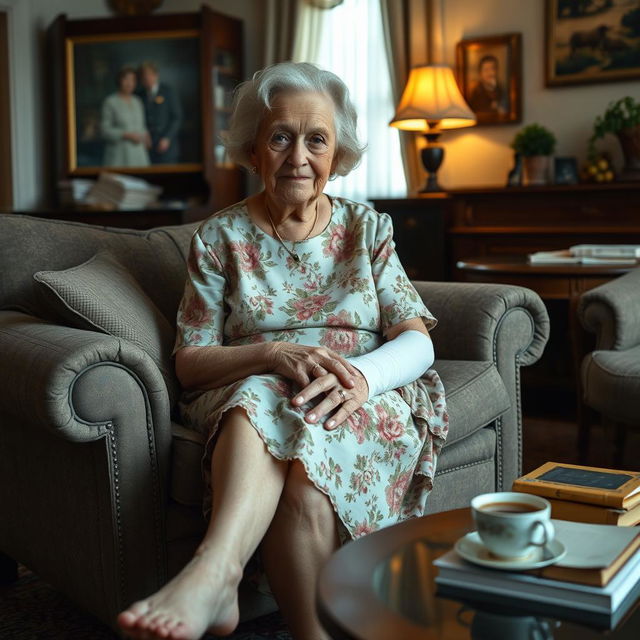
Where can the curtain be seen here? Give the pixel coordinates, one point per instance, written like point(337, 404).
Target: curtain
point(281, 22)
point(294, 30)
point(357, 56)
point(310, 25)
point(406, 39)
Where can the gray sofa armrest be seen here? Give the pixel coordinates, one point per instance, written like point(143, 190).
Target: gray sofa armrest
point(612, 312)
point(47, 377)
point(474, 318)
point(85, 439)
point(503, 324)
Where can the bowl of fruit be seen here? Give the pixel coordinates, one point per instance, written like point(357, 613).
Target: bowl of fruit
point(598, 168)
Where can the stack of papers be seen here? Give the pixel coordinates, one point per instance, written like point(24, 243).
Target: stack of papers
point(122, 192)
point(72, 192)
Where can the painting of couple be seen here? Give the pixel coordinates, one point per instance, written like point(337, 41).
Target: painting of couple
point(140, 123)
point(142, 115)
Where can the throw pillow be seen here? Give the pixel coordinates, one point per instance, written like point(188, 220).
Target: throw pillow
point(101, 294)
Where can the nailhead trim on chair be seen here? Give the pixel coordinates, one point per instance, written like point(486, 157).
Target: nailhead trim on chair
point(464, 466)
point(116, 490)
point(499, 469)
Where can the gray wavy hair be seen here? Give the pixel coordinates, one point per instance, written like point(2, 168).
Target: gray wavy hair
point(253, 97)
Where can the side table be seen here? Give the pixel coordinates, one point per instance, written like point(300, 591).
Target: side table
point(551, 282)
point(381, 587)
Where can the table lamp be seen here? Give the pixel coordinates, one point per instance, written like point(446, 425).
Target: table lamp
point(431, 102)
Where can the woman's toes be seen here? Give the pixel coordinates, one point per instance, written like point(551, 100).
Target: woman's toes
point(127, 619)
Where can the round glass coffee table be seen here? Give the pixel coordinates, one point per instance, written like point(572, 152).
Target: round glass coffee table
point(381, 587)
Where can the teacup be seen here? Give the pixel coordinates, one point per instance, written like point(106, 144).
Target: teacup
point(512, 525)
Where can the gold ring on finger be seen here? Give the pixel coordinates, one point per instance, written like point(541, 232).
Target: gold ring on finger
point(342, 395)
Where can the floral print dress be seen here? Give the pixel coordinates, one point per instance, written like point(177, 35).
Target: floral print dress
point(348, 288)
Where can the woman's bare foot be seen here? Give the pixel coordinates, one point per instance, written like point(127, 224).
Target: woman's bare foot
point(204, 595)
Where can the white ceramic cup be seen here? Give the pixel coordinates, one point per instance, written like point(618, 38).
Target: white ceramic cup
point(511, 524)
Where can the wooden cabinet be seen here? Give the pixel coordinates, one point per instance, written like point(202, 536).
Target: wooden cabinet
point(435, 231)
point(419, 226)
point(517, 221)
point(199, 57)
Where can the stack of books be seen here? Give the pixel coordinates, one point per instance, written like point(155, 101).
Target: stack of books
point(594, 254)
point(122, 192)
point(586, 494)
point(597, 581)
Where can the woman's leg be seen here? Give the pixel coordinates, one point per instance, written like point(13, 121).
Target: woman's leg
point(247, 483)
point(300, 540)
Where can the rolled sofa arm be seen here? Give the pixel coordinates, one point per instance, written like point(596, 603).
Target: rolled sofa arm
point(473, 319)
point(612, 312)
point(85, 439)
point(503, 324)
point(47, 376)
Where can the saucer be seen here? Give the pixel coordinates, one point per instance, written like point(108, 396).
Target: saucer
point(471, 548)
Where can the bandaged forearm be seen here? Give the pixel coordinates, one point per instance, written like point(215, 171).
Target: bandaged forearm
point(396, 363)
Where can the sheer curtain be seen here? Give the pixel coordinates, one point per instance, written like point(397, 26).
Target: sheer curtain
point(352, 46)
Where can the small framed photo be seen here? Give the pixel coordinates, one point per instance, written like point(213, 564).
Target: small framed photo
point(590, 42)
point(133, 102)
point(489, 74)
point(565, 171)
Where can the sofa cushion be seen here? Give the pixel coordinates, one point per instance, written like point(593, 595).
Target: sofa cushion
point(611, 383)
point(475, 397)
point(186, 465)
point(101, 294)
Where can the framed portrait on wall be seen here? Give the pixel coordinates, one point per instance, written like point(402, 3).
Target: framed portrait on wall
point(591, 41)
point(134, 101)
point(489, 74)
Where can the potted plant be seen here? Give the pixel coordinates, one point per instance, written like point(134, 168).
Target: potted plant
point(621, 118)
point(535, 144)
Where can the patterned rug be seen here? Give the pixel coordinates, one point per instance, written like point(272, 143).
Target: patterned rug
point(31, 609)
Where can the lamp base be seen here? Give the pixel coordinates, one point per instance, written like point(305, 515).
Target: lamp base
point(432, 156)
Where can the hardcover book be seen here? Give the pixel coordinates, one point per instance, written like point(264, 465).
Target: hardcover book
point(592, 485)
point(595, 514)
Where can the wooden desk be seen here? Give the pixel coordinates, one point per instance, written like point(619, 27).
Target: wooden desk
point(550, 282)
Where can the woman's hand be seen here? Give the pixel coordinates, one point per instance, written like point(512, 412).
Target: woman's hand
point(302, 364)
point(346, 401)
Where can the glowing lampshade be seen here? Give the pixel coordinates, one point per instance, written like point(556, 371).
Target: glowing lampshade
point(432, 96)
point(431, 102)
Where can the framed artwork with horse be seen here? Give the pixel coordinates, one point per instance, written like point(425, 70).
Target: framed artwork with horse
point(592, 41)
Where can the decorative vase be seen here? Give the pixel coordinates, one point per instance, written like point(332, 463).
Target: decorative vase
point(536, 170)
point(630, 143)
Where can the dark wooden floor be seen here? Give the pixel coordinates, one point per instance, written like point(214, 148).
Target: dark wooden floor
point(549, 439)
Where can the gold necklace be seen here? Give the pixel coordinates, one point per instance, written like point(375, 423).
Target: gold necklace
point(291, 252)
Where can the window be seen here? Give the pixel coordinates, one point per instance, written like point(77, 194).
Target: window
point(358, 56)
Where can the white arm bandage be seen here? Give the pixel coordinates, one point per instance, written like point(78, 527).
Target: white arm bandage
point(396, 363)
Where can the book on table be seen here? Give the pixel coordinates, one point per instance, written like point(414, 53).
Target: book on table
point(606, 250)
point(591, 485)
point(581, 512)
point(599, 575)
point(564, 256)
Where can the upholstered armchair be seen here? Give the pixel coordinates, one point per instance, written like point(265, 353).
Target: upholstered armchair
point(610, 375)
point(100, 485)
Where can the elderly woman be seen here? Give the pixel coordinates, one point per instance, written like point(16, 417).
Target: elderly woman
point(302, 344)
